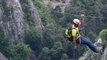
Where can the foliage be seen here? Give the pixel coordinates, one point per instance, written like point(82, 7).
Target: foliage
point(4, 44)
point(33, 38)
point(44, 11)
point(59, 16)
point(17, 52)
point(103, 34)
point(64, 57)
point(27, 12)
point(45, 54)
point(20, 52)
point(57, 52)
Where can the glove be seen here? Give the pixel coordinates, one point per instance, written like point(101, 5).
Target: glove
point(82, 15)
point(66, 31)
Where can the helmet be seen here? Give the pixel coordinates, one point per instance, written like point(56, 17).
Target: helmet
point(76, 21)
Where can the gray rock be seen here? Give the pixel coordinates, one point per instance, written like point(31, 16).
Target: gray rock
point(104, 56)
point(2, 57)
point(12, 20)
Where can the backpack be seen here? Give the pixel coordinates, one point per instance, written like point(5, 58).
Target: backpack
point(68, 32)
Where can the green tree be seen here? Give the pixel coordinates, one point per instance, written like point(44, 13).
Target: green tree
point(45, 54)
point(44, 11)
point(33, 38)
point(20, 52)
point(64, 57)
point(103, 35)
point(57, 51)
point(4, 44)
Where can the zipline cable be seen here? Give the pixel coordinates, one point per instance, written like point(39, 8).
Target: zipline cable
point(74, 15)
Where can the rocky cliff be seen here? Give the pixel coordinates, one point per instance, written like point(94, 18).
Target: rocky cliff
point(13, 19)
point(2, 57)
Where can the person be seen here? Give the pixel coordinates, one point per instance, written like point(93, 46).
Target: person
point(74, 36)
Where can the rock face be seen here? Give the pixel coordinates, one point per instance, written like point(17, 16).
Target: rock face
point(11, 19)
point(35, 15)
point(2, 57)
point(104, 56)
point(55, 3)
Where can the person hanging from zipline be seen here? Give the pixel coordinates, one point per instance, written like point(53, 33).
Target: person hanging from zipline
point(73, 35)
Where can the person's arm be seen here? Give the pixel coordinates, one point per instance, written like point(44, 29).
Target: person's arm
point(74, 38)
point(82, 19)
point(82, 24)
point(74, 42)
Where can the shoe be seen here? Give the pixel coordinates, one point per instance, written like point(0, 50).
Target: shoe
point(99, 45)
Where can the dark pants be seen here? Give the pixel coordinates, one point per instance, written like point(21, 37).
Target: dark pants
point(86, 41)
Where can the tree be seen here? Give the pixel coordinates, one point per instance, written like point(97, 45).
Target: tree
point(64, 57)
point(20, 52)
point(33, 38)
point(57, 51)
point(45, 54)
point(4, 44)
point(103, 34)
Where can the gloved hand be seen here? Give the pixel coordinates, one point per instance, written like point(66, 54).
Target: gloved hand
point(75, 46)
point(66, 31)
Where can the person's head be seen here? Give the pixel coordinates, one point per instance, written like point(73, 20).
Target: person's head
point(77, 22)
